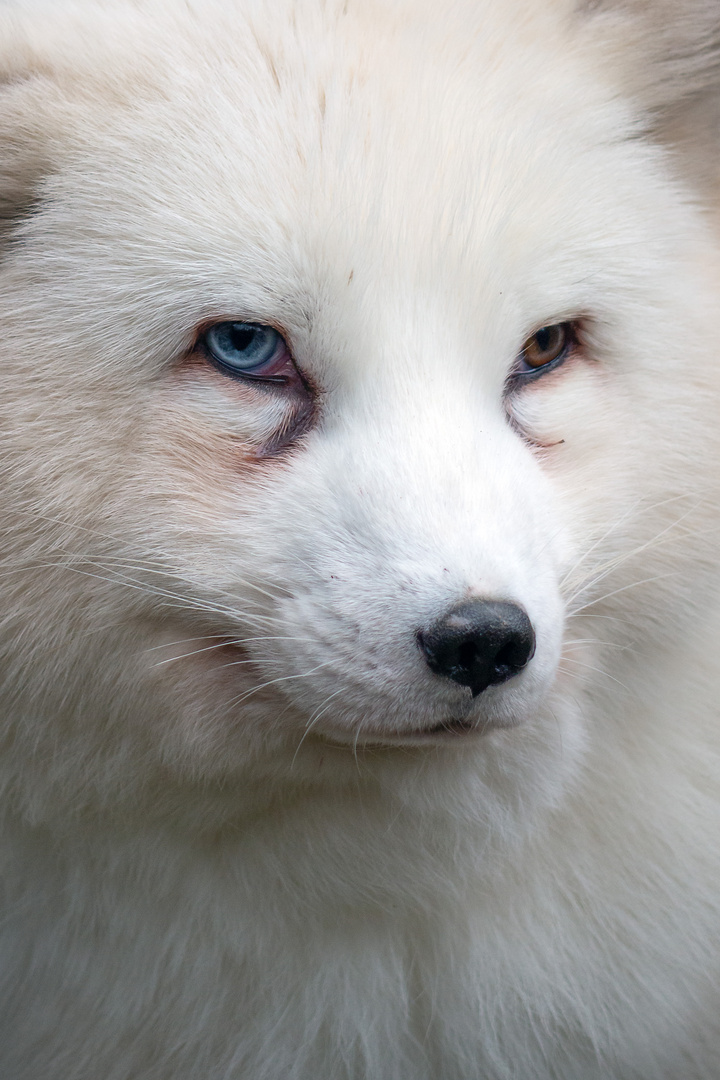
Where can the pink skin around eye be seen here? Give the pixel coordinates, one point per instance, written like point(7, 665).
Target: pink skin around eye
point(279, 375)
point(280, 367)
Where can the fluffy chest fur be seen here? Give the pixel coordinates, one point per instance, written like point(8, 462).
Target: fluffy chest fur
point(360, 496)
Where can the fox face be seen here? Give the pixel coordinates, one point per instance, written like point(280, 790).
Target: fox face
point(358, 574)
point(339, 418)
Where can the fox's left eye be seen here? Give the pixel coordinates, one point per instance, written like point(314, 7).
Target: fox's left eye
point(548, 346)
point(247, 349)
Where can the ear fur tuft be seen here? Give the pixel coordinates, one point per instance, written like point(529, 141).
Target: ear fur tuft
point(23, 167)
point(665, 55)
point(28, 117)
point(670, 49)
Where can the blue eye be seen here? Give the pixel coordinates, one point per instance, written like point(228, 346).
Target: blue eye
point(246, 348)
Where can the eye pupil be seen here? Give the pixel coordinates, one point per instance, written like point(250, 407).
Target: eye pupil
point(241, 336)
point(546, 345)
point(250, 349)
point(544, 338)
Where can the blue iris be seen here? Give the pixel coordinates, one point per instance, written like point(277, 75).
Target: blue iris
point(245, 348)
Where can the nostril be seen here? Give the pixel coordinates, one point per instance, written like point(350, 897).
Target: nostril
point(479, 643)
point(507, 655)
point(516, 653)
point(466, 654)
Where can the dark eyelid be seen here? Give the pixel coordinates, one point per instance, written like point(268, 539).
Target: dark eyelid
point(249, 376)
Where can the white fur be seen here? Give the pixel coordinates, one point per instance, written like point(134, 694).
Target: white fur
point(224, 870)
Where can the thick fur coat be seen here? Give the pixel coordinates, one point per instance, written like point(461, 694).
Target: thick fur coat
point(248, 831)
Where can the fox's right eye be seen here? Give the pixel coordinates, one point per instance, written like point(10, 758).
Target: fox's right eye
point(248, 350)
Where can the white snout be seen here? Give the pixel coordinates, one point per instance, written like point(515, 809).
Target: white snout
point(393, 533)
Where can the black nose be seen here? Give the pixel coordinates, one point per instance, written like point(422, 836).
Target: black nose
point(479, 643)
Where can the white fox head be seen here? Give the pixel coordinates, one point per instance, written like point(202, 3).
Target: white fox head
point(341, 389)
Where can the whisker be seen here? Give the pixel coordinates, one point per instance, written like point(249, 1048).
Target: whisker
point(600, 671)
point(219, 645)
point(624, 588)
point(601, 539)
point(580, 614)
point(280, 679)
point(178, 599)
point(596, 641)
point(599, 573)
point(322, 709)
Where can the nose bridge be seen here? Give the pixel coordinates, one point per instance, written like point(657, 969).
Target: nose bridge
point(437, 473)
point(445, 446)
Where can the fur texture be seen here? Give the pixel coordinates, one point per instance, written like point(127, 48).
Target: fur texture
point(230, 849)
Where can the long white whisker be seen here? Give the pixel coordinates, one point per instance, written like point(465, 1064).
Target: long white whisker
point(218, 645)
point(322, 709)
point(600, 540)
point(622, 589)
point(590, 667)
point(280, 679)
point(596, 641)
point(598, 573)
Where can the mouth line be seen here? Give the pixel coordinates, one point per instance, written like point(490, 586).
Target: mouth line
point(444, 733)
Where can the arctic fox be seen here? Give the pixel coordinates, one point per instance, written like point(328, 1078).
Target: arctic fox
point(360, 627)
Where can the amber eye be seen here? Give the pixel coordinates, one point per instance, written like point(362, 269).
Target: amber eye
point(547, 345)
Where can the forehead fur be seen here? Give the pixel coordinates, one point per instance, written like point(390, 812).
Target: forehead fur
point(221, 112)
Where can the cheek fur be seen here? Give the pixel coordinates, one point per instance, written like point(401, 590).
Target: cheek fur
point(564, 410)
point(270, 415)
point(204, 458)
point(217, 428)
